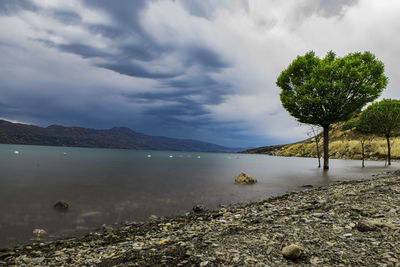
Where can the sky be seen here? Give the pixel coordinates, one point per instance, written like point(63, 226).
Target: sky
point(198, 69)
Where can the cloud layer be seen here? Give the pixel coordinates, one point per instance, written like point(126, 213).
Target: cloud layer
point(190, 69)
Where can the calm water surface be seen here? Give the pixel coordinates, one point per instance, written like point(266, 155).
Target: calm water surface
point(104, 186)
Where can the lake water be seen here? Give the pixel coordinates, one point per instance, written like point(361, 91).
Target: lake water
point(104, 186)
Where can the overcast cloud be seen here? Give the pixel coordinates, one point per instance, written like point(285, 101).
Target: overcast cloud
point(189, 69)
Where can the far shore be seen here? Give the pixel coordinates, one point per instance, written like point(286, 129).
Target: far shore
point(345, 223)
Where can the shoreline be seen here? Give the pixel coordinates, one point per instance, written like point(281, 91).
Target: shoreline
point(350, 223)
point(341, 157)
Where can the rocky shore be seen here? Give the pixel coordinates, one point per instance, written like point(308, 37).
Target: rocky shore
point(347, 223)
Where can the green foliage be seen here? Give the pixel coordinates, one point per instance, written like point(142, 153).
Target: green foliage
point(382, 118)
point(355, 124)
point(325, 91)
point(352, 124)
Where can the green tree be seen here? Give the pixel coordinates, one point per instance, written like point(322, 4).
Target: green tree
point(329, 90)
point(382, 118)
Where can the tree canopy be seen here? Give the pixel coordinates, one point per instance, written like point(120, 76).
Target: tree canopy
point(325, 91)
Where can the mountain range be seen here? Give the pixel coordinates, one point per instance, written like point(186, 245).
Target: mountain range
point(117, 137)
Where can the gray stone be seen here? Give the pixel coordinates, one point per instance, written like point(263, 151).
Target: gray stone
point(292, 252)
point(39, 232)
point(61, 206)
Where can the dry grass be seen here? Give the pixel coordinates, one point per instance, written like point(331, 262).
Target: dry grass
point(344, 144)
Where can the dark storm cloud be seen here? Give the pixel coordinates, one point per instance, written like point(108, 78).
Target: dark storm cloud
point(147, 52)
point(206, 58)
point(125, 12)
point(212, 91)
point(141, 52)
point(83, 50)
point(194, 84)
point(174, 111)
point(134, 52)
point(136, 59)
point(135, 70)
point(182, 97)
point(142, 49)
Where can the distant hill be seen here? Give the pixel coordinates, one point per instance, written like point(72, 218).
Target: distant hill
point(117, 137)
point(342, 145)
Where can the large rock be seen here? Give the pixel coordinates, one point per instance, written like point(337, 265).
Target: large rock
point(61, 206)
point(292, 252)
point(245, 179)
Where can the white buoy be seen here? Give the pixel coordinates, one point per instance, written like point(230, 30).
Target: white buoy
point(16, 152)
point(198, 157)
point(171, 156)
point(65, 153)
point(149, 156)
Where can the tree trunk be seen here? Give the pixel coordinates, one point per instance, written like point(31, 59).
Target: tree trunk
point(326, 146)
point(318, 152)
point(388, 145)
point(363, 153)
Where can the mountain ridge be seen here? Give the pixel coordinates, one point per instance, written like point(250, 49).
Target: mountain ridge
point(116, 137)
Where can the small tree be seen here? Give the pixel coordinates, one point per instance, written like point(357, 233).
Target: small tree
point(314, 133)
point(382, 118)
point(359, 129)
point(325, 91)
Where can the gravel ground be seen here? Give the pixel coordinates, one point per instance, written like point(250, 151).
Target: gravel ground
point(347, 223)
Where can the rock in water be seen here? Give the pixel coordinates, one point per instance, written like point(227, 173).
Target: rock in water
point(61, 206)
point(245, 179)
point(292, 252)
point(39, 232)
point(199, 208)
